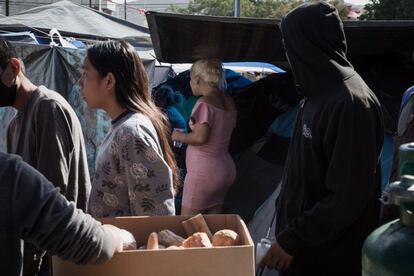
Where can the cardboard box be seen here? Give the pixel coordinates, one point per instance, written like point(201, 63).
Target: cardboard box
point(218, 261)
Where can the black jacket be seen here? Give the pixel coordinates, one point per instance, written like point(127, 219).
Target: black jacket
point(331, 185)
point(31, 209)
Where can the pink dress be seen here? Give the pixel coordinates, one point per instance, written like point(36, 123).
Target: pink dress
point(210, 168)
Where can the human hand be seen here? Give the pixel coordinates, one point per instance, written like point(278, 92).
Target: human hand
point(177, 134)
point(276, 258)
point(123, 239)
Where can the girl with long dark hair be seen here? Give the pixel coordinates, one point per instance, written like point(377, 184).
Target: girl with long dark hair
point(135, 171)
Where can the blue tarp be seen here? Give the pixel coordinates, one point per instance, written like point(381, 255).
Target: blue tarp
point(25, 37)
point(284, 124)
point(386, 160)
point(181, 84)
point(407, 94)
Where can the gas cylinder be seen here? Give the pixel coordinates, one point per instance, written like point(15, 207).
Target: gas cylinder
point(406, 159)
point(389, 250)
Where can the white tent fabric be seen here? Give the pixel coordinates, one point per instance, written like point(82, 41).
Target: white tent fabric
point(259, 225)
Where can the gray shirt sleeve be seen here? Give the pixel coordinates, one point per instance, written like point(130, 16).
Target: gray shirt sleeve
point(54, 143)
point(45, 218)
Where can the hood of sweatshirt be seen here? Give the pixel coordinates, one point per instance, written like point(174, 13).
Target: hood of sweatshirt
point(315, 45)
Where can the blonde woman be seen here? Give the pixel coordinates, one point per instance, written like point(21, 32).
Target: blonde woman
point(210, 168)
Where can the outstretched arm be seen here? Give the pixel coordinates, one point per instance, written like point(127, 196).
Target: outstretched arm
point(45, 218)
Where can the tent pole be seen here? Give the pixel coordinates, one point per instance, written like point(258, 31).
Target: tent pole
point(7, 7)
point(236, 8)
point(125, 7)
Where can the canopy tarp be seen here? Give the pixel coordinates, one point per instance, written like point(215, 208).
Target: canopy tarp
point(181, 38)
point(77, 21)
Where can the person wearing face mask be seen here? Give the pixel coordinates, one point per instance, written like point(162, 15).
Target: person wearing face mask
point(328, 203)
point(8, 94)
point(47, 134)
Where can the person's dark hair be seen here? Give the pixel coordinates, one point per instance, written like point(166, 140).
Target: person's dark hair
point(131, 88)
point(7, 52)
point(165, 96)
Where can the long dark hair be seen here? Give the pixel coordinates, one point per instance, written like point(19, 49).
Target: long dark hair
point(131, 89)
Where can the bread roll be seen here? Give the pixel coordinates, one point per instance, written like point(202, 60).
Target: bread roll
point(196, 224)
point(128, 240)
point(226, 237)
point(152, 243)
point(199, 239)
point(168, 238)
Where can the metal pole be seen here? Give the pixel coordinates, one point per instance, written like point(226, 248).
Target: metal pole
point(7, 8)
point(90, 3)
point(236, 8)
point(125, 12)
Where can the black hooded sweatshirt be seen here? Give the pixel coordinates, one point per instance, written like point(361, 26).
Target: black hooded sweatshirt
point(329, 202)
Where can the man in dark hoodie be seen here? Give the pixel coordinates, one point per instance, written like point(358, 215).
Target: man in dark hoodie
point(328, 202)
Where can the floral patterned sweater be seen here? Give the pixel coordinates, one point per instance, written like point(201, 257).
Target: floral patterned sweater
point(131, 176)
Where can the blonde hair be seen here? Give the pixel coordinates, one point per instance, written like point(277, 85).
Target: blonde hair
point(210, 71)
